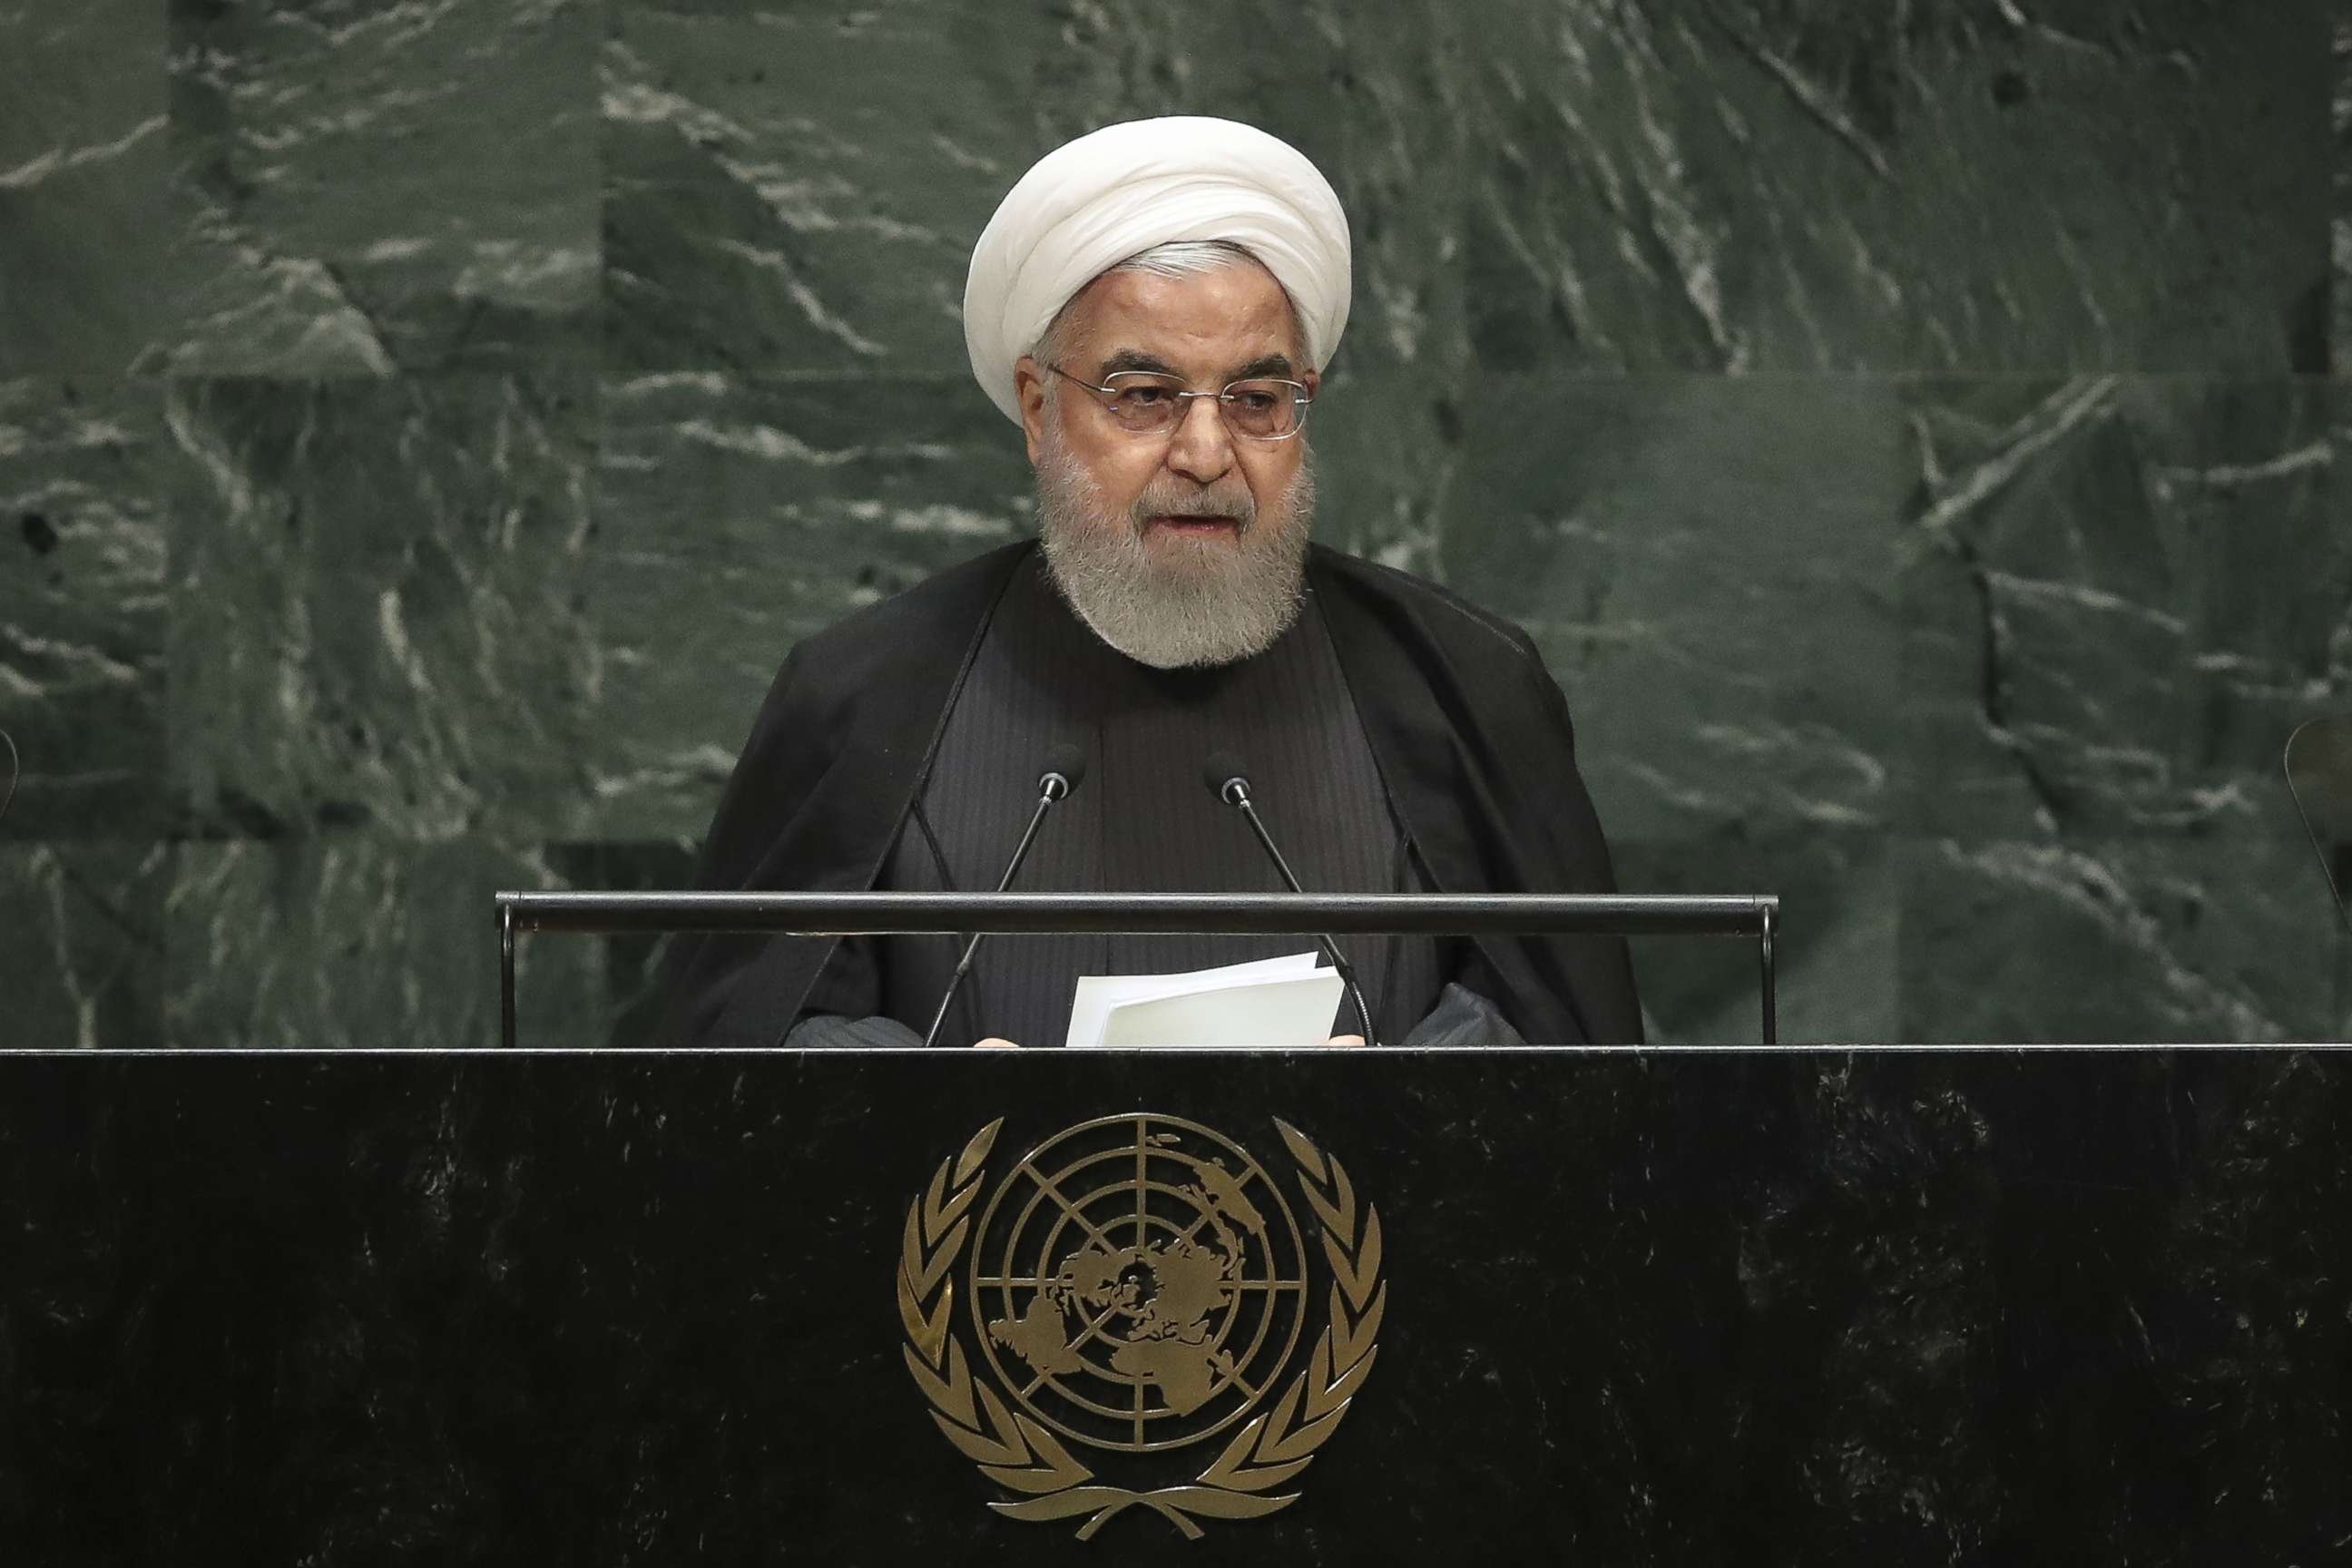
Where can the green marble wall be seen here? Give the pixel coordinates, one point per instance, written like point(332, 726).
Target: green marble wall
point(1910, 431)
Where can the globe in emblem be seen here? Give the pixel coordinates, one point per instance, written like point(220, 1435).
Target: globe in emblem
point(1137, 1282)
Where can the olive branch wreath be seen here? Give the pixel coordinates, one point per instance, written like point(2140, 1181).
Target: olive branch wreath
point(1017, 1452)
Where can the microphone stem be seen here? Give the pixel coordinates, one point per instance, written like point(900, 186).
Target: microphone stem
point(1045, 799)
point(1013, 868)
point(1249, 811)
point(1240, 797)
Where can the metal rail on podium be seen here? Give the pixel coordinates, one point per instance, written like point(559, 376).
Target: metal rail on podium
point(1133, 914)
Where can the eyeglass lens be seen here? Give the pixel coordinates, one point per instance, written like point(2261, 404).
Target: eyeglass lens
point(1264, 410)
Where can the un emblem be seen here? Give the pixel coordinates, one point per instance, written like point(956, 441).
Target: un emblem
point(1139, 1286)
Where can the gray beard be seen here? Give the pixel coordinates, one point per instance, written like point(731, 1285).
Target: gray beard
point(1181, 601)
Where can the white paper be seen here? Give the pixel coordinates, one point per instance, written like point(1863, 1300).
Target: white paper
point(1281, 1002)
point(1292, 1010)
point(1098, 993)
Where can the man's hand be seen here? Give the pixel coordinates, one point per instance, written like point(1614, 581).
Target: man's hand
point(1345, 1040)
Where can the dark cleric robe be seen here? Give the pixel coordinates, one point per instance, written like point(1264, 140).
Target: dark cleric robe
point(880, 729)
point(1142, 820)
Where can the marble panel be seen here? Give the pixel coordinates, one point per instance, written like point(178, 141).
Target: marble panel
point(2120, 597)
point(1758, 186)
point(2342, 359)
point(1986, 674)
point(1708, 566)
point(378, 612)
point(359, 939)
point(366, 188)
point(84, 186)
point(84, 467)
point(82, 935)
point(626, 1009)
point(345, 939)
point(758, 215)
point(735, 516)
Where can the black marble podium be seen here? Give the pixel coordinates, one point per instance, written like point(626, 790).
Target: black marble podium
point(1730, 1307)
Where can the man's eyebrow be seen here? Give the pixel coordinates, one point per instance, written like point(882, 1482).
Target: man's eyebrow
point(1136, 359)
point(1264, 364)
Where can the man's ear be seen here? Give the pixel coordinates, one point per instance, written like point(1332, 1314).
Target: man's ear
point(1313, 380)
point(1029, 389)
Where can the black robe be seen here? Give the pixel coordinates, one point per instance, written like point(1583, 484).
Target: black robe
point(1471, 735)
point(1142, 820)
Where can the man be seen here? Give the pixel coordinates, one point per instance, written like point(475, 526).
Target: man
point(1154, 305)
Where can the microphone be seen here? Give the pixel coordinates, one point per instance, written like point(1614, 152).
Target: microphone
point(1066, 766)
point(1229, 782)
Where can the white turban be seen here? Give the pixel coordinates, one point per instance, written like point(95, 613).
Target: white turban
point(1093, 202)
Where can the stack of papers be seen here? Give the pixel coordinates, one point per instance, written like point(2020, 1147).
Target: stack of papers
point(1283, 1002)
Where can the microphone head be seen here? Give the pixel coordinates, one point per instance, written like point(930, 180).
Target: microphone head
point(1066, 759)
point(1225, 769)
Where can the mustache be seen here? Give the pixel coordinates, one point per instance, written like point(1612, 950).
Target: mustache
point(1156, 502)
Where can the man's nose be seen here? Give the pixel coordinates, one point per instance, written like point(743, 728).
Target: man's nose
point(1201, 449)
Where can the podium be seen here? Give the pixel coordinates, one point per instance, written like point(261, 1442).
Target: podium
point(1560, 1306)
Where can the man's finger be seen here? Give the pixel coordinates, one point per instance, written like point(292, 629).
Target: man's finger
point(993, 1043)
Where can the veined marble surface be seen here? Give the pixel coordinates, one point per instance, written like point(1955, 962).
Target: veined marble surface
point(1908, 431)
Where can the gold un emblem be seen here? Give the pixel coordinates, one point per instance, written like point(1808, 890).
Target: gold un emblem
point(1138, 1286)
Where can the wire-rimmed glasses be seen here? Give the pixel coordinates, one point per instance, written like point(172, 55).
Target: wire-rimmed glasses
point(1151, 403)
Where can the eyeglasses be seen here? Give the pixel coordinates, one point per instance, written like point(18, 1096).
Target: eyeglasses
point(1149, 404)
